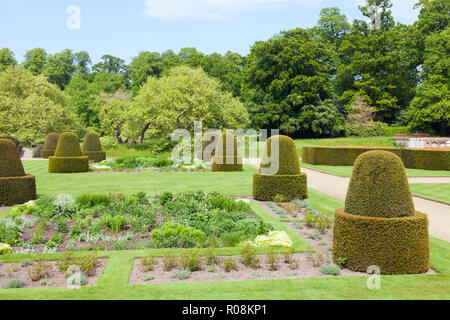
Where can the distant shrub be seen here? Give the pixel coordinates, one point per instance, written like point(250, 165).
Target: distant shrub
point(391, 131)
point(92, 147)
point(68, 157)
point(89, 200)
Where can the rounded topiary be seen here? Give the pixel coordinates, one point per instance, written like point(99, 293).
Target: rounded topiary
point(15, 186)
point(15, 141)
point(287, 181)
point(378, 225)
point(226, 156)
point(68, 158)
point(92, 147)
point(51, 141)
point(379, 187)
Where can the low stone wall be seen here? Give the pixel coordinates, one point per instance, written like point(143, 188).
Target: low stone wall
point(422, 142)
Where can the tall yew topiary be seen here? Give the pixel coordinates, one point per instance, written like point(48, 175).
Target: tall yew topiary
point(226, 156)
point(287, 181)
point(51, 141)
point(16, 187)
point(92, 147)
point(378, 225)
point(68, 157)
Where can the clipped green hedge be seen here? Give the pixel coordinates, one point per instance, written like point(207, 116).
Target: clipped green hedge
point(227, 164)
point(221, 161)
point(427, 159)
point(68, 158)
point(267, 187)
point(17, 190)
point(379, 187)
point(96, 156)
point(68, 164)
point(395, 245)
point(51, 141)
point(10, 164)
point(288, 181)
point(15, 186)
point(92, 147)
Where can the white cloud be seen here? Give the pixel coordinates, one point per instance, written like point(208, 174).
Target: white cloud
point(210, 9)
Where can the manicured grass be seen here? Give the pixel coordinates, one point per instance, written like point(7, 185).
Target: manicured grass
point(228, 183)
point(346, 171)
point(433, 191)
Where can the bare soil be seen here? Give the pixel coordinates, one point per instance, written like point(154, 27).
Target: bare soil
point(55, 279)
point(304, 269)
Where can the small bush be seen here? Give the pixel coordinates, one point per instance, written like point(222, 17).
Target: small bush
point(172, 235)
point(169, 263)
point(190, 260)
point(89, 200)
point(230, 239)
point(229, 264)
point(148, 264)
point(181, 274)
point(5, 248)
point(248, 255)
point(14, 283)
point(41, 270)
point(330, 269)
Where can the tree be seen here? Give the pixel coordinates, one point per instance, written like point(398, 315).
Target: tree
point(113, 112)
point(379, 64)
point(332, 25)
point(323, 120)
point(360, 113)
point(82, 62)
point(6, 59)
point(144, 65)
point(177, 100)
point(281, 76)
point(59, 68)
point(379, 14)
point(35, 60)
point(32, 107)
point(430, 109)
point(110, 64)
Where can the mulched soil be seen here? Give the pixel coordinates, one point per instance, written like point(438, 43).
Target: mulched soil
point(55, 279)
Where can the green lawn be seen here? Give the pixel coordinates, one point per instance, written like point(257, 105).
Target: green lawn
point(229, 183)
point(346, 171)
point(433, 191)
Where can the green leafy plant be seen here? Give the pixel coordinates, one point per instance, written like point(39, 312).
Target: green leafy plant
point(181, 274)
point(41, 270)
point(229, 264)
point(330, 270)
point(190, 260)
point(148, 264)
point(14, 283)
point(169, 263)
point(248, 255)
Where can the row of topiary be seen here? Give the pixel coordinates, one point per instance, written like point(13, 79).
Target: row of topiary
point(91, 146)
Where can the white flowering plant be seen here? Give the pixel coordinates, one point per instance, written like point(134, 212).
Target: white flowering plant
point(273, 239)
point(5, 249)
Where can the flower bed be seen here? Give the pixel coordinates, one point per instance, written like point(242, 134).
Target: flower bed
point(117, 222)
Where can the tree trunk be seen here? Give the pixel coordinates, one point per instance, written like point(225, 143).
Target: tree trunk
point(143, 131)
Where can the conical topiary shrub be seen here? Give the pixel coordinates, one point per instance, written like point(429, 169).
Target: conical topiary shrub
point(51, 141)
point(15, 186)
point(226, 156)
point(287, 180)
point(68, 158)
point(378, 225)
point(16, 142)
point(92, 147)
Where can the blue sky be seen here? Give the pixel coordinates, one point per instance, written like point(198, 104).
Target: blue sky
point(124, 28)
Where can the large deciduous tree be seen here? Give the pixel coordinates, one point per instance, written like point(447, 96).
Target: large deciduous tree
point(178, 99)
point(31, 107)
point(282, 76)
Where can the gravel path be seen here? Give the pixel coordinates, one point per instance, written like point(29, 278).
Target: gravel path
point(336, 187)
